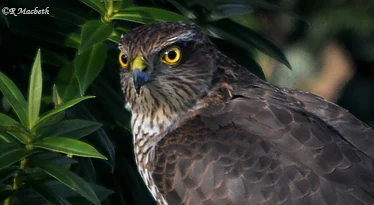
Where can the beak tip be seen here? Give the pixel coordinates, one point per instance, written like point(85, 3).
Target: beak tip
point(140, 78)
point(137, 89)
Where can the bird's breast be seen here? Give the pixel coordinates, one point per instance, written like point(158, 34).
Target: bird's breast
point(147, 132)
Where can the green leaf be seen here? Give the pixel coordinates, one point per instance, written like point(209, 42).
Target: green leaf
point(47, 194)
point(245, 38)
point(56, 158)
point(8, 172)
point(14, 97)
point(97, 5)
point(73, 40)
point(12, 128)
point(28, 196)
point(107, 145)
point(8, 124)
point(6, 120)
point(5, 138)
point(101, 192)
point(67, 83)
point(66, 75)
point(51, 120)
point(11, 153)
point(68, 146)
point(87, 168)
point(88, 65)
point(114, 36)
point(37, 173)
point(109, 6)
point(47, 100)
point(6, 192)
point(239, 55)
point(68, 178)
point(127, 3)
point(94, 32)
point(113, 6)
point(100, 137)
point(74, 129)
point(112, 103)
point(20, 136)
point(119, 4)
point(68, 91)
point(62, 107)
point(146, 15)
point(35, 91)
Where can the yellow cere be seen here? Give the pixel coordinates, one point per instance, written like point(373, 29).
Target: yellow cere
point(123, 60)
point(138, 63)
point(171, 55)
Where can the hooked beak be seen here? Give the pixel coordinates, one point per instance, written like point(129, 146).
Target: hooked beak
point(139, 75)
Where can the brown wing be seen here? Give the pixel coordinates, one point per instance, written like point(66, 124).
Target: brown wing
point(262, 147)
point(352, 129)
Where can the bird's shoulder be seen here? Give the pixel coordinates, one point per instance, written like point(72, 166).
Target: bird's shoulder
point(266, 143)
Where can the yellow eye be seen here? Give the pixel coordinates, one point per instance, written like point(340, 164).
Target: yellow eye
point(171, 56)
point(123, 60)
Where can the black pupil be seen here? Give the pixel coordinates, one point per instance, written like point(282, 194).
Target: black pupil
point(124, 59)
point(172, 55)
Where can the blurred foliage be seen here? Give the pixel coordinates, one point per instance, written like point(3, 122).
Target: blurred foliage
point(78, 44)
point(332, 51)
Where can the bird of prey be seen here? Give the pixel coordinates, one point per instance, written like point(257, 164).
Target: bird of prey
point(208, 132)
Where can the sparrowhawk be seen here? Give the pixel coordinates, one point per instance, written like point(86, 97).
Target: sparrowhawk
point(208, 132)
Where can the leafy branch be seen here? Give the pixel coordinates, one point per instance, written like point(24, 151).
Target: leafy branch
point(26, 137)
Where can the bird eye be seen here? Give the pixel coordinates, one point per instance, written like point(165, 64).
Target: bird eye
point(123, 60)
point(171, 56)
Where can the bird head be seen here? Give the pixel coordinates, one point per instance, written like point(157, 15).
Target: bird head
point(165, 65)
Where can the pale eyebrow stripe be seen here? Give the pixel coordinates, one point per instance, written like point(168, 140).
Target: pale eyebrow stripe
point(183, 36)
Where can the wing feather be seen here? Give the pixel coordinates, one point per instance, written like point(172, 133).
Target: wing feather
point(265, 146)
point(352, 129)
